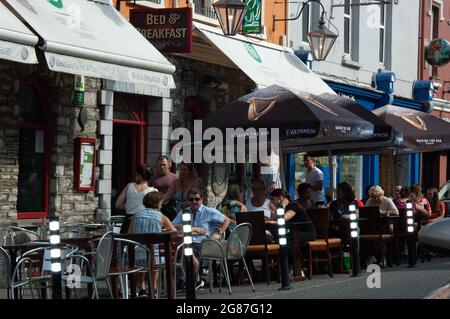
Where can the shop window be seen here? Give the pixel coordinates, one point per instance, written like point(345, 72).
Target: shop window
point(32, 199)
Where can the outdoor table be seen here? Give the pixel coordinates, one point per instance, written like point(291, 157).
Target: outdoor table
point(149, 239)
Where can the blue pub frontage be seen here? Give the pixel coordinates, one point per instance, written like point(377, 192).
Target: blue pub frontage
point(374, 169)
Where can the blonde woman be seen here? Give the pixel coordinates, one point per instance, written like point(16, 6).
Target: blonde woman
point(385, 204)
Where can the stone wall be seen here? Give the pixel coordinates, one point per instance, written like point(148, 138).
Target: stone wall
point(195, 78)
point(10, 73)
point(64, 200)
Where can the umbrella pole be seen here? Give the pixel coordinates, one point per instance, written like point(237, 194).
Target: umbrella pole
point(331, 173)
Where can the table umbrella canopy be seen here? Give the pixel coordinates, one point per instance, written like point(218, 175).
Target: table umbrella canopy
point(385, 138)
point(422, 132)
point(303, 117)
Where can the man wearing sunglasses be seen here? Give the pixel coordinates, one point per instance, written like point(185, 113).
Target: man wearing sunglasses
point(206, 222)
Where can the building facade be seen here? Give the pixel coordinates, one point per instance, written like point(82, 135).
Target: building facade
point(374, 62)
point(61, 154)
point(434, 24)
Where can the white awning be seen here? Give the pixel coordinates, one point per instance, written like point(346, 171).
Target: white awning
point(16, 41)
point(91, 38)
point(266, 63)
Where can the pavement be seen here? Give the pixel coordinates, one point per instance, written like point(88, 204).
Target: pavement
point(398, 282)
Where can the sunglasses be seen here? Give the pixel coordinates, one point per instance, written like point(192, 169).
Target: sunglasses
point(196, 199)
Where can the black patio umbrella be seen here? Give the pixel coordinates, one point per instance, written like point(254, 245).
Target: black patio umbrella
point(385, 138)
point(422, 132)
point(302, 118)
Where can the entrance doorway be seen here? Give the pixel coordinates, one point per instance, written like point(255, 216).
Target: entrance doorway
point(129, 143)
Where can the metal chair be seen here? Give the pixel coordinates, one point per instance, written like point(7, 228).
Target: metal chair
point(5, 274)
point(18, 235)
point(230, 250)
point(98, 269)
point(123, 268)
point(34, 267)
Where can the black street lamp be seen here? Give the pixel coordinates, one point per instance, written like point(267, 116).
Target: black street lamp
point(230, 14)
point(321, 39)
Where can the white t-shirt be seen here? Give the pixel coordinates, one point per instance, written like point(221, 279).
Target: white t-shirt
point(312, 177)
point(265, 208)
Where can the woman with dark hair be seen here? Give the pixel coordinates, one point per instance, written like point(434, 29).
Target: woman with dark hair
point(233, 204)
point(293, 214)
point(149, 220)
point(304, 192)
point(339, 210)
point(179, 189)
point(437, 206)
point(405, 197)
point(130, 199)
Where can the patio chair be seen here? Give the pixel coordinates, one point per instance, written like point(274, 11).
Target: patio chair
point(34, 267)
point(323, 249)
point(231, 250)
point(258, 247)
point(177, 257)
point(98, 268)
point(18, 235)
point(123, 268)
point(5, 273)
point(373, 232)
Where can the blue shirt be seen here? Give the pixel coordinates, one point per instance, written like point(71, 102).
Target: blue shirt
point(206, 217)
point(147, 221)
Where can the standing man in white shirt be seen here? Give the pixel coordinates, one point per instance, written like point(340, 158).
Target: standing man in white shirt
point(314, 177)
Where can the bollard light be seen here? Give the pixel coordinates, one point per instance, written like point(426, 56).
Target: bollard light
point(354, 236)
point(188, 254)
point(409, 217)
point(282, 241)
point(55, 257)
point(353, 223)
point(411, 240)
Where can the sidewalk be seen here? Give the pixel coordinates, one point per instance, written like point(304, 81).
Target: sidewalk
point(396, 282)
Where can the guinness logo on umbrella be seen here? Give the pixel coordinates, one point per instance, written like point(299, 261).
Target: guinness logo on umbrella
point(413, 119)
point(319, 105)
point(258, 106)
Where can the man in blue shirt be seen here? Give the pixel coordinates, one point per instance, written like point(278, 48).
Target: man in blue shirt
point(206, 222)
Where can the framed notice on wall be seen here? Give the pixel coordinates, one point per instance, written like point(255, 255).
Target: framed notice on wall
point(84, 165)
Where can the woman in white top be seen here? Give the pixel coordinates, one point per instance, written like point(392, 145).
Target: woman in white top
point(131, 197)
point(385, 204)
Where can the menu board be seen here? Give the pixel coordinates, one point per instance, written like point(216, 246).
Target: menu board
point(85, 164)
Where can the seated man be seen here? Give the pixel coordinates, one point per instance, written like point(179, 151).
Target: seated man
point(206, 223)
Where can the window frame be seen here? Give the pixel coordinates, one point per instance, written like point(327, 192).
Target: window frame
point(42, 91)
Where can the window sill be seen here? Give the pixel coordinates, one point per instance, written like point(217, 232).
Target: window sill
point(351, 64)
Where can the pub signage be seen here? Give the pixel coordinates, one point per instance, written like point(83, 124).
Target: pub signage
point(169, 30)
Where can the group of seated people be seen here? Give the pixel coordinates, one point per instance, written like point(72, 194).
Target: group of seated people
point(145, 206)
